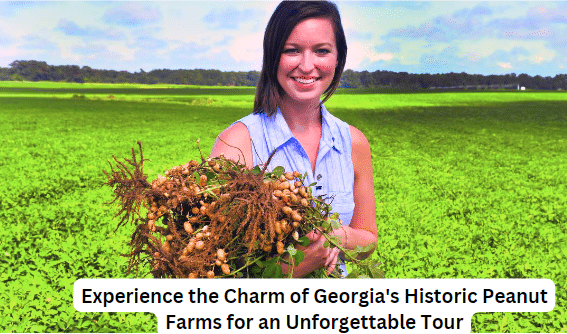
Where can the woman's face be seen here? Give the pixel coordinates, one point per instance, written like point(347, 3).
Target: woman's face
point(307, 64)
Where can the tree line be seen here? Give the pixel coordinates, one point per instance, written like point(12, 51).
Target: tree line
point(32, 70)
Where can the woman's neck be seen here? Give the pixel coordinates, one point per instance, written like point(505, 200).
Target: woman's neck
point(300, 116)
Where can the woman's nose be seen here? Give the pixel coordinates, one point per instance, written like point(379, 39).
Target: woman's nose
point(306, 63)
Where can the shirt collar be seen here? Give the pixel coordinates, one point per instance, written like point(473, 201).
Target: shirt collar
point(279, 133)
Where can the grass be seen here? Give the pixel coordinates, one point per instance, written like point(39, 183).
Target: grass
point(468, 185)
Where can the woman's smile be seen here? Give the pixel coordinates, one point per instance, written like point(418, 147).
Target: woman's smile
point(304, 80)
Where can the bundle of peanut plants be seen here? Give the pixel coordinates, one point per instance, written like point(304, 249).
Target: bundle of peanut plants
point(217, 218)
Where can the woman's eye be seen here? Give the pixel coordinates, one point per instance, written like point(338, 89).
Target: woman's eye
point(290, 51)
point(323, 51)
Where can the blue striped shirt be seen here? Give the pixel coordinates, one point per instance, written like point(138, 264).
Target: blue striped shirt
point(334, 171)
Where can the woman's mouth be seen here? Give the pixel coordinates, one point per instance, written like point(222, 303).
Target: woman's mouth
point(305, 81)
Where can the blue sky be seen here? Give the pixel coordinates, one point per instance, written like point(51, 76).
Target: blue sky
point(416, 37)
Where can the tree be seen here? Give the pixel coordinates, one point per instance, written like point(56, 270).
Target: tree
point(31, 69)
point(39, 70)
point(350, 79)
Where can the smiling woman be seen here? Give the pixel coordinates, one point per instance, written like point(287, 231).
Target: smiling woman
point(291, 24)
point(309, 59)
point(304, 56)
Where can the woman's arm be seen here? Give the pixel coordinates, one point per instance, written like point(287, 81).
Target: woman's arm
point(234, 143)
point(364, 216)
point(362, 230)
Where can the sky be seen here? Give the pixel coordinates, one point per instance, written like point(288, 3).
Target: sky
point(403, 36)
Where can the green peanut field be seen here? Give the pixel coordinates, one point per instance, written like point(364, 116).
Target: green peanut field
point(467, 184)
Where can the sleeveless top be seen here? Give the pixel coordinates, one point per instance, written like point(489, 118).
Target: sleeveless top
point(334, 171)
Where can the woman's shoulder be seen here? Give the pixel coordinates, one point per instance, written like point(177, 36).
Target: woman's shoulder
point(234, 144)
point(251, 119)
point(361, 155)
point(236, 130)
point(358, 139)
point(242, 128)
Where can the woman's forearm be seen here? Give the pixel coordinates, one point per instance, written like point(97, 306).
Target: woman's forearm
point(317, 255)
point(350, 238)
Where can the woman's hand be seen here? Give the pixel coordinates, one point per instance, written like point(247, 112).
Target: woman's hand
point(316, 256)
point(327, 256)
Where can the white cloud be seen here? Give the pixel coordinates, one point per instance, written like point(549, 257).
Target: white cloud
point(8, 55)
point(486, 47)
point(382, 56)
point(505, 65)
point(542, 56)
point(365, 53)
point(248, 49)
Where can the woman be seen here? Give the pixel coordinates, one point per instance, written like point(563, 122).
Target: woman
point(304, 57)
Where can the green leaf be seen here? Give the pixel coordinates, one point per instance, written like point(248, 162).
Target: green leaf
point(298, 257)
point(274, 270)
point(278, 171)
point(326, 225)
point(335, 224)
point(256, 170)
point(303, 241)
point(353, 274)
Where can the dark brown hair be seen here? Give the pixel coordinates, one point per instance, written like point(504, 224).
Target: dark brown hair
point(286, 16)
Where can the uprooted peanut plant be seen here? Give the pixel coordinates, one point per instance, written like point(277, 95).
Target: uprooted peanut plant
point(216, 218)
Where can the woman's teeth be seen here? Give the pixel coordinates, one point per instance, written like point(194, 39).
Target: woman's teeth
point(305, 81)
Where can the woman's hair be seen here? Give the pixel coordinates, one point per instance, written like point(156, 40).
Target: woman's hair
point(286, 16)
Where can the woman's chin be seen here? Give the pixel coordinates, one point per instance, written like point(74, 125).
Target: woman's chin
point(302, 99)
